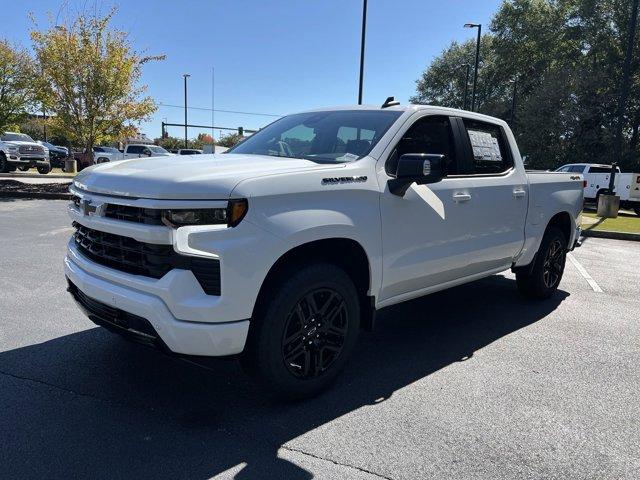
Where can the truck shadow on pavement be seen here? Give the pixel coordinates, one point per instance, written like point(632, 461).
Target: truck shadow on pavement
point(90, 405)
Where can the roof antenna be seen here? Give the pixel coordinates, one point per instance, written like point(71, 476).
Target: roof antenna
point(390, 102)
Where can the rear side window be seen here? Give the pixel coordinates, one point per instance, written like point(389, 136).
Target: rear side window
point(600, 170)
point(135, 149)
point(491, 154)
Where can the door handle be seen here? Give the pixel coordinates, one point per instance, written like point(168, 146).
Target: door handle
point(461, 197)
point(519, 193)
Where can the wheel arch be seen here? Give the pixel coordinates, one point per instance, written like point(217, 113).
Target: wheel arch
point(562, 220)
point(343, 252)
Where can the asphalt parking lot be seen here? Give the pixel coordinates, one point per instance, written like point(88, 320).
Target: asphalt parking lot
point(473, 382)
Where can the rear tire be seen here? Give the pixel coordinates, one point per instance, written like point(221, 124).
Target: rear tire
point(637, 210)
point(301, 340)
point(542, 279)
point(23, 168)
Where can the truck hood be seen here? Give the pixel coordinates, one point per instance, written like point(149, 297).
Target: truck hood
point(17, 143)
point(187, 177)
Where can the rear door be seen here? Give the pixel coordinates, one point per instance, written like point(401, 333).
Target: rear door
point(497, 196)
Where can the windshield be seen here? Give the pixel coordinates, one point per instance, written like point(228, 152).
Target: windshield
point(155, 149)
point(334, 136)
point(16, 137)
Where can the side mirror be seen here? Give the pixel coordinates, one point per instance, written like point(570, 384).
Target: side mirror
point(420, 168)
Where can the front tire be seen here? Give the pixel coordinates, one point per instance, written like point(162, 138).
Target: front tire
point(43, 170)
point(301, 340)
point(23, 168)
point(637, 210)
point(542, 279)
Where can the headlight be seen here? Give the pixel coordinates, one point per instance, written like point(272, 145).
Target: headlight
point(231, 216)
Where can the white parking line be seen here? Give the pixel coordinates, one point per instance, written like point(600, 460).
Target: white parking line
point(592, 283)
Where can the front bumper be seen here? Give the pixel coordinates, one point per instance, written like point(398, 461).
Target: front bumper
point(189, 337)
point(23, 160)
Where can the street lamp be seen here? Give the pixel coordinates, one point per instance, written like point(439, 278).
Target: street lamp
point(185, 75)
point(364, 28)
point(475, 71)
point(466, 84)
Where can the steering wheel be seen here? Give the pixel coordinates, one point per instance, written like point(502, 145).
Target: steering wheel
point(285, 149)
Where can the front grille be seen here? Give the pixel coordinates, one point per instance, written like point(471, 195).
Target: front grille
point(133, 326)
point(148, 216)
point(31, 150)
point(147, 259)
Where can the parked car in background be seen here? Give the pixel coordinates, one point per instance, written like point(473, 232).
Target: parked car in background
point(189, 151)
point(18, 150)
point(596, 176)
point(57, 155)
point(283, 249)
point(142, 150)
point(106, 154)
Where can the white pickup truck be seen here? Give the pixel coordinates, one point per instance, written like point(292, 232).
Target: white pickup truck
point(18, 150)
point(280, 250)
point(596, 182)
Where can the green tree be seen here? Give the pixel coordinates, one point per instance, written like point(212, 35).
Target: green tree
point(89, 81)
point(16, 77)
point(566, 58)
point(229, 140)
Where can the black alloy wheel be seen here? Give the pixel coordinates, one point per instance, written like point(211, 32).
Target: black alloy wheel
point(304, 329)
point(553, 265)
point(314, 333)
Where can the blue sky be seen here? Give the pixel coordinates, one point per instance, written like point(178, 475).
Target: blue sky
point(274, 56)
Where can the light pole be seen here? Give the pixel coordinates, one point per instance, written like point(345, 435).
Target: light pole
point(466, 84)
point(625, 80)
point(475, 70)
point(185, 75)
point(513, 101)
point(364, 29)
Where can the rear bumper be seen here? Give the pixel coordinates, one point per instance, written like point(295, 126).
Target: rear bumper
point(146, 318)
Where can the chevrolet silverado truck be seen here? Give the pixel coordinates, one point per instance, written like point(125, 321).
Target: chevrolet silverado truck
point(18, 150)
point(282, 249)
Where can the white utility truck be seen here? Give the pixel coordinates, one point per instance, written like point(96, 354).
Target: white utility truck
point(596, 177)
point(282, 249)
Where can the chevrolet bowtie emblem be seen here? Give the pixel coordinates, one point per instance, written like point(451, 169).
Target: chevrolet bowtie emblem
point(89, 208)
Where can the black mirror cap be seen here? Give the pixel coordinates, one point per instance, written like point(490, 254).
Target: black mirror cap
point(421, 168)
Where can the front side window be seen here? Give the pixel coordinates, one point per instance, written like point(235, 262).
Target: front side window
point(491, 154)
point(430, 135)
point(326, 137)
point(576, 168)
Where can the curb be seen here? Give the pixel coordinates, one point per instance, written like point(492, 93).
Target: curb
point(34, 175)
point(634, 237)
point(36, 195)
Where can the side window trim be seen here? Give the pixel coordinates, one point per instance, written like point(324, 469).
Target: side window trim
point(464, 153)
